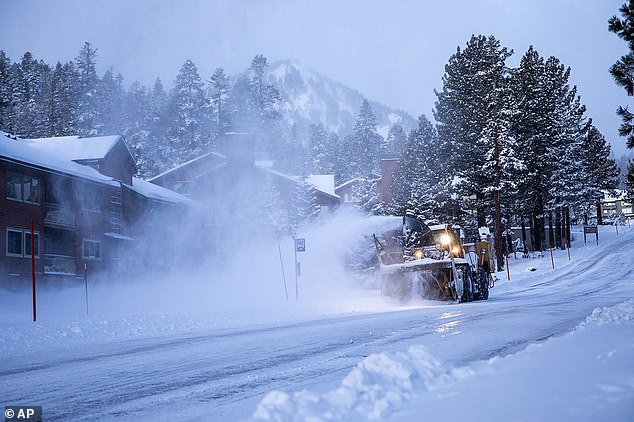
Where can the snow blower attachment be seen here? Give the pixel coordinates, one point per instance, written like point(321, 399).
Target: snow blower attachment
point(430, 262)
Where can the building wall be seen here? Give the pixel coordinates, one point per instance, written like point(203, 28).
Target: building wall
point(118, 163)
point(17, 215)
point(69, 211)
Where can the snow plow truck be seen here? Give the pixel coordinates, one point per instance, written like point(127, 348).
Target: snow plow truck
point(433, 262)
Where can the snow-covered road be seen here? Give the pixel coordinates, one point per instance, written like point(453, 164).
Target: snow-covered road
point(223, 373)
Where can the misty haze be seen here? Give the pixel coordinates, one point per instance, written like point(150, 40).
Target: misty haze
point(334, 211)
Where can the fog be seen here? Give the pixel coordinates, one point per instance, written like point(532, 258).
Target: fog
point(255, 283)
point(391, 51)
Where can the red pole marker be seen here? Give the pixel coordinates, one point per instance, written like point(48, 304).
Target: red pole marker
point(33, 268)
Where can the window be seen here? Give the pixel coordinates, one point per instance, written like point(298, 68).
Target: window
point(23, 188)
point(90, 200)
point(92, 249)
point(14, 242)
point(19, 243)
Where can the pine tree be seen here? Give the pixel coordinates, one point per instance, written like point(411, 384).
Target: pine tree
point(570, 184)
point(111, 98)
point(264, 101)
point(64, 100)
point(322, 153)
point(158, 130)
point(473, 87)
point(420, 185)
point(30, 97)
point(623, 73)
point(218, 97)
point(303, 206)
point(597, 162)
point(88, 120)
point(366, 140)
point(264, 96)
point(189, 125)
point(359, 152)
point(530, 130)
point(6, 90)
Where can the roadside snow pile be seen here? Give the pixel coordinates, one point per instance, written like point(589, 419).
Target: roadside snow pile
point(623, 313)
point(21, 338)
point(586, 375)
point(377, 386)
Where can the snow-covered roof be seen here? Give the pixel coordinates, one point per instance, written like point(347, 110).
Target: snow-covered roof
point(323, 182)
point(76, 148)
point(153, 191)
point(28, 153)
point(185, 164)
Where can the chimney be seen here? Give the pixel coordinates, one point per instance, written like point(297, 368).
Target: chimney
point(388, 167)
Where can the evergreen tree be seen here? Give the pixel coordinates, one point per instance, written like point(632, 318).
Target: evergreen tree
point(264, 97)
point(30, 97)
point(367, 142)
point(473, 88)
point(64, 100)
point(533, 128)
point(6, 92)
point(602, 169)
point(322, 153)
point(623, 73)
point(420, 185)
point(158, 130)
point(137, 132)
point(189, 123)
point(88, 120)
point(264, 100)
point(348, 164)
point(303, 206)
point(111, 98)
point(366, 190)
point(570, 184)
point(360, 151)
point(218, 97)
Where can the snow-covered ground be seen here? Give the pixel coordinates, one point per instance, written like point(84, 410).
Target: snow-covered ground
point(227, 345)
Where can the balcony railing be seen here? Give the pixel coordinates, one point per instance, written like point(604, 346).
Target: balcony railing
point(59, 216)
point(58, 264)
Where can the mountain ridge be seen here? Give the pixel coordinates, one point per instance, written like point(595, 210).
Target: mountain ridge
point(308, 97)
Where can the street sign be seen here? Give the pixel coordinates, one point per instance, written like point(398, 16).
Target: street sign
point(590, 229)
point(300, 245)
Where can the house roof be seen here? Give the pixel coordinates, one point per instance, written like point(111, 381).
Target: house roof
point(189, 163)
point(26, 153)
point(371, 176)
point(159, 193)
point(75, 148)
point(323, 182)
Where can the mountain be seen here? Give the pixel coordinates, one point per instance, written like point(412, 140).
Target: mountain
point(309, 97)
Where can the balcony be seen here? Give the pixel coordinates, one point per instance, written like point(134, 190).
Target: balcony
point(59, 216)
point(59, 264)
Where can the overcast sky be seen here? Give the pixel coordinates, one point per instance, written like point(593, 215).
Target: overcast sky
point(392, 51)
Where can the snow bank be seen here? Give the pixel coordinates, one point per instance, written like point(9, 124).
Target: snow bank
point(623, 313)
point(584, 376)
point(379, 384)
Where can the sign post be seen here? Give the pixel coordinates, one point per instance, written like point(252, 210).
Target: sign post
point(590, 230)
point(300, 246)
